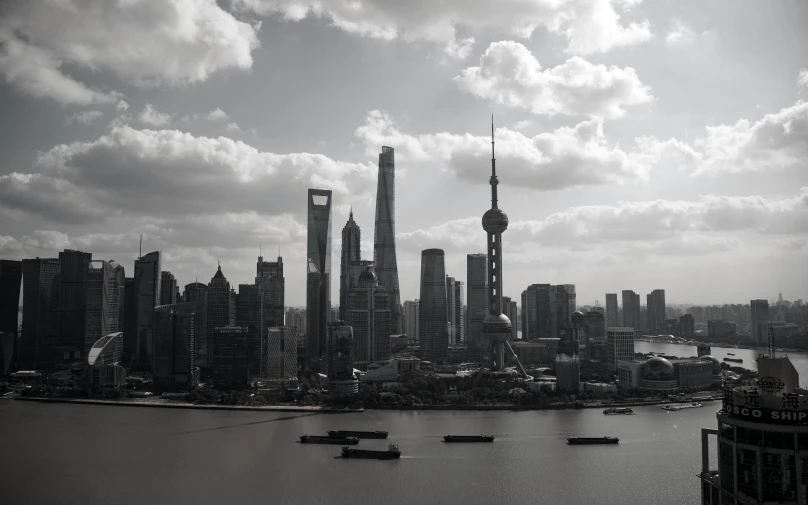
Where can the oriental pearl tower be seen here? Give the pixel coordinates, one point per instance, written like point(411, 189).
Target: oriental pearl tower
point(496, 325)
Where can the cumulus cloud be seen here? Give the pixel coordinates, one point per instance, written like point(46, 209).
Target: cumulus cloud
point(709, 224)
point(217, 114)
point(234, 127)
point(83, 117)
point(590, 26)
point(509, 74)
point(170, 173)
point(141, 42)
point(567, 157)
point(152, 117)
point(679, 34)
point(802, 78)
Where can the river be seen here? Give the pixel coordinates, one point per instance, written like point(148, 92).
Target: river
point(84, 454)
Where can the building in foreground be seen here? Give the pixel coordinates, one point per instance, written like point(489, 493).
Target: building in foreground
point(761, 441)
point(384, 238)
point(7, 341)
point(10, 281)
point(434, 316)
point(340, 360)
point(281, 367)
point(318, 275)
point(663, 375)
point(368, 313)
point(173, 359)
point(147, 297)
point(40, 299)
point(476, 305)
point(229, 351)
point(620, 344)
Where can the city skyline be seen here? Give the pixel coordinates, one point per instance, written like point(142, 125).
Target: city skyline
point(664, 178)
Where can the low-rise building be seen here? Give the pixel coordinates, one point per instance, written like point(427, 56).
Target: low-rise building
point(539, 351)
point(599, 387)
point(390, 370)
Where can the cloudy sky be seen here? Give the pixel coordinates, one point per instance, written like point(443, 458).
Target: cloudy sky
point(640, 144)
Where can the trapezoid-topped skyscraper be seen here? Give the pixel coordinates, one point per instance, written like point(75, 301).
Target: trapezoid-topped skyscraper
point(384, 242)
point(318, 274)
point(496, 325)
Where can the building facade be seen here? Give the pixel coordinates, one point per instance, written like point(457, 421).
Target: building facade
point(510, 309)
point(349, 262)
point(318, 274)
point(620, 342)
point(10, 282)
point(656, 309)
point(40, 302)
point(230, 356)
point(282, 354)
point(104, 362)
point(72, 315)
point(410, 318)
point(173, 361)
point(197, 293)
point(147, 297)
point(368, 314)
point(168, 288)
point(611, 310)
point(248, 315)
point(218, 308)
point(476, 305)
point(340, 359)
point(105, 300)
point(384, 240)
point(433, 313)
point(631, 310)
point(760, 316)
point(460, 312)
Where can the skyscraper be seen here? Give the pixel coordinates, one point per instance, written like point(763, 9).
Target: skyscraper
point(10, 281)
point(272, 286)
point(282, 354)
point(541, 306)
point(631, 310)
point(368, 314)
point(450, 310)
point(760, 316)
point(460, 313)
point(620, 341)
point(340, 359)
point(656, 309)
point(73, 268)
point(248, 315)
point(147, 293)
point(229, 356)
point(318, 274)
point(476, 305)
point(168, 288)
point(348, 263)
point(410, 318)
point(104, 301)
point(197, 293)
point(509, 308)
point(497, 327)
point(572, 302)
point(433, 315)
point(173, 359)
point(40, 302)
point(611, 309)
point(218, 309)
point(384, 241)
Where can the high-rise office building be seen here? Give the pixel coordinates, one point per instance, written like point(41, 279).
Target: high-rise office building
point(544, 311)
point(168, 288)
point(368, 313)
point(384, 241)
point(282, 354)
point(572, 302)
point(318, 274)
point(229, 356)
point(129, 327)
point(656, 309)
point(197, 293)
point(10, 282)
point(433, 314)
point(620, 342)
point(349, 263)
point(688, 326)
point(460, 312)
point(248, 315)
point(296, 318)
point(105, 300)
point(595, 327)
point(631, 310)
point(410, 318)
point(173, 359)
point(40, 302)
point(450, 310)
point(510, 309)
point(476, 305)
point(72, 325)
point(611, 309)
point(760, 316)
point(340, 359)
point(147, 294)
point(218, 308)
point(272, 287)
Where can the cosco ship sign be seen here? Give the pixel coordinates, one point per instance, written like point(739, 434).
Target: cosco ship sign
point(769, 416)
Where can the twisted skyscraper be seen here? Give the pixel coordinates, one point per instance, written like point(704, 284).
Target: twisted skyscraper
point(384, 243)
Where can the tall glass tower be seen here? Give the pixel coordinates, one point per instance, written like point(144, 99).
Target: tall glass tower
point(384, 243)
point(433, 323)
point(318, 274)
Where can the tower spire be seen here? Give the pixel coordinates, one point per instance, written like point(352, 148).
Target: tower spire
point(350, 216)
point(493, 179)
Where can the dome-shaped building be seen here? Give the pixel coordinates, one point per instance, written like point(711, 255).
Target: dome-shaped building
point(658, 374)
point(718, 375)
point(368, 279)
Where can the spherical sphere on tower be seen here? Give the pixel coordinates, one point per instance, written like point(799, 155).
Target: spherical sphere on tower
point(577, 317)
point(495, 221)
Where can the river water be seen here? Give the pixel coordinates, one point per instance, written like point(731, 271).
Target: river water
point(97, 455)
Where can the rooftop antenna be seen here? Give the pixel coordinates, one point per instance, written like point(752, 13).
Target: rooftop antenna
point(140, 249)
point(493, 180)
point(771, 342)
point(197, 276)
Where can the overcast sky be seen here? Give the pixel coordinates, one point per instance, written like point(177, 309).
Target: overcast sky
point(640, 145)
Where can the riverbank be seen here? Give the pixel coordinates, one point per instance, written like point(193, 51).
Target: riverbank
point(159, 403)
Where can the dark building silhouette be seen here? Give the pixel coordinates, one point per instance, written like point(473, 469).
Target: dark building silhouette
point(509, 308)
point(656, 309)
point(147, 297)
point(477, 305)
point(433, 315)
point(318, 274)
point(631, 310)
point(168, 288)
point(272, 285)
point(104, 361)
point(688, 326)
point(369, 316)
point(450, 310)
point(129, 315)
point(7, 341)
point(197, 293)
point(72, 314)
point(105, 298)
point(349, 263)
point(384, 241)
point(760, 316)
point(173, 359)
point(340, 359)
point(611, 310)
point(10, 281)
point(39, 314)
point(218, 307)
point(248, 315)
point(460, 312)
point(229, 352)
